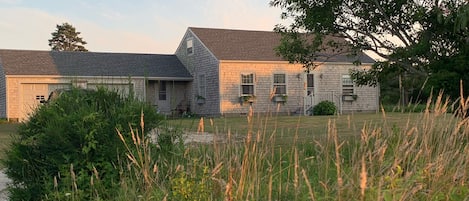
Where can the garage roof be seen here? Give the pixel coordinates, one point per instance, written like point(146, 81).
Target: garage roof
point(30, 62)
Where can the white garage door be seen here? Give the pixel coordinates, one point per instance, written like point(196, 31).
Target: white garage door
point(31, 97)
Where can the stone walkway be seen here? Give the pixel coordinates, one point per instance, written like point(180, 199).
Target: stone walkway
point(3, 184)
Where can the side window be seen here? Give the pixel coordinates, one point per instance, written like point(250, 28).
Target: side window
point(202, 85)
point(189, 46)
point(280, 84)
point(247, 84)
point(162, 90)
point(347, 85)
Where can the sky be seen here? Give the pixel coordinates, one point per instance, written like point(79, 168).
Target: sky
point(128, 26)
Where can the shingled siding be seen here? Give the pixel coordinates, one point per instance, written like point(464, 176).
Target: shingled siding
point(3, 106)
point(230, 74)
point(201, 62)
point(16, 93)
point(329, 87)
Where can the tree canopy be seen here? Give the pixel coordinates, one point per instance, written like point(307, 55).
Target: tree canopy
point(65, 38)
point(422, 39)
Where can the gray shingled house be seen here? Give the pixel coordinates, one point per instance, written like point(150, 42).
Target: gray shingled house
point(27, 77)
point(234, 69)
point(213, 72)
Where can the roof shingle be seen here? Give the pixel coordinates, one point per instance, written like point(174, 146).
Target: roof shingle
point(229, 44)
point(28, 62)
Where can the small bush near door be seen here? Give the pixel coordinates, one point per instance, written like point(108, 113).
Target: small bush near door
point(70, 147)
point(324, 108)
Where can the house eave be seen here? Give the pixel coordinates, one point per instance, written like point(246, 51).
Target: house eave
point(94, 77)
point(286, 62)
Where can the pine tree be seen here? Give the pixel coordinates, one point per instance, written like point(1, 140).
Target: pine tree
point(66, 38)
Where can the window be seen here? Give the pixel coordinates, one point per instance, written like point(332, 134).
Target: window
point(310, 84)
point(280, 84)
point(347, 85)
point(162, 90)
point(189, 46)
point(202, 85)
point(40, 98)
point(247, 84)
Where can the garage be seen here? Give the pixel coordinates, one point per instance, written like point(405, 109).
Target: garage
point(31, 95)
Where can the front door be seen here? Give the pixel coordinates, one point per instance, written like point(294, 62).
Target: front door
point(310, 91)
point(162, 97)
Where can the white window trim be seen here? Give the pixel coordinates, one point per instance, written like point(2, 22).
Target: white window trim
point(286, 82)
point(347, 76)
point(253, 84)
point(191, 40)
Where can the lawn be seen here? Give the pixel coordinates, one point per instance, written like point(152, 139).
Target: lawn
point(305, 127)
point(6, 132)
point(392, 156)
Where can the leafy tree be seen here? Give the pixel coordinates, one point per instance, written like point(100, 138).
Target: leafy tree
point(413, 38)
point(66, 38)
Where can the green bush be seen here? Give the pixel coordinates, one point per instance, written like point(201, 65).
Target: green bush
point(324, 108)
point(71, 140)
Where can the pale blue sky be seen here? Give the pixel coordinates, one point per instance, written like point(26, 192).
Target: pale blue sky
point(137, 26)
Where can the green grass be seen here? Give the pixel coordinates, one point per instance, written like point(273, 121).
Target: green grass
point(390, 156)
point(285, 128)
point(7, 130)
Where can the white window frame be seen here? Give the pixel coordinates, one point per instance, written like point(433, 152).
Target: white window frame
point(276, 84)
point(243, 83)
point(190, 46)
point(348, 86)
point(202, 85)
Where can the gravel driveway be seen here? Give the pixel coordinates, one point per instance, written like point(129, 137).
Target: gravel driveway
point(3, 184)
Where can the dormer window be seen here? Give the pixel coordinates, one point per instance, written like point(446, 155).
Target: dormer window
point(189, 46)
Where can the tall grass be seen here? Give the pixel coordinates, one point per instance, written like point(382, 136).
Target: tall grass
point(426, 159)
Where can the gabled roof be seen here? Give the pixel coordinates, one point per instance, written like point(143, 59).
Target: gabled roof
point(229, 44)
point(28, 62)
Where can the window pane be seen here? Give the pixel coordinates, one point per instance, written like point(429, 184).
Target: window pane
point(189, 46)
point(245, 79)
point(279, 78)
point(247, 89)
point(347, 85)
point(280, 89)
point(310, 80)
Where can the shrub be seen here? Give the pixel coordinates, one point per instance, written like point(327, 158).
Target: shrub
point(71, 140)
point(324, 108)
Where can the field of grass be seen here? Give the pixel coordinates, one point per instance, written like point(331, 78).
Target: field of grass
point(384, 156)
point(286, 128)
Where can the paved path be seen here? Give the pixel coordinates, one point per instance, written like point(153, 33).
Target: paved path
point(3, 184)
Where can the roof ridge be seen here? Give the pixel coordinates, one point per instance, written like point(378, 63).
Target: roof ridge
point(232, 29)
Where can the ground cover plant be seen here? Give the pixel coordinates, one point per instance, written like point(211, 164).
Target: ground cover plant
point(383, 156)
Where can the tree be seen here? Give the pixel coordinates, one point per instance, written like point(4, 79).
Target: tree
point(66, 38)
point(413, 38)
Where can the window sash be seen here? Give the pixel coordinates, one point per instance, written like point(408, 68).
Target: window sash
point(189, 46)
point(280, 84)
point(347, 85)
point(247, 84)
